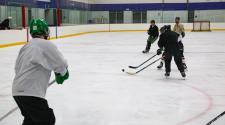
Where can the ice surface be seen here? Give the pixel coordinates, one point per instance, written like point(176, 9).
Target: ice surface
point(99, 93)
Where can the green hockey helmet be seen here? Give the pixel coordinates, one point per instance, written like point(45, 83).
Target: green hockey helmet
point(39, 27)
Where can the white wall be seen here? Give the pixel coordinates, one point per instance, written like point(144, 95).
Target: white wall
point(128, 16)
point(169, 16)
point(84, 1)
point(211, 15)
point(154, 15)
point(21, 35)
point(12, 36)
point(98, 15)
point(3, 13)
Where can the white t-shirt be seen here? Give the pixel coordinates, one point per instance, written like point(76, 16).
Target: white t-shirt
point(33, 68)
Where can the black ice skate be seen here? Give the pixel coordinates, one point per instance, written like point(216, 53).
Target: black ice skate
point(183, 74)
point(160, 65)
point(167, 74)
point(145, 51)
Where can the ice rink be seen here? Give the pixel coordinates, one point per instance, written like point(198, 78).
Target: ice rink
point(99, 93)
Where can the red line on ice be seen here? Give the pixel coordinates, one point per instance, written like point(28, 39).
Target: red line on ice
point(209, 107)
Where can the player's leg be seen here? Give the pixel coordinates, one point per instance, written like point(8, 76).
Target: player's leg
point(36, 110)
point(148, 45)
point(27, 120)
point(168, 59)
point(150, 41)
point(181, 45)
point(178, 61)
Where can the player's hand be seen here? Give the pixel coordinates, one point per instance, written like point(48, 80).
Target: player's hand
point(60, 79)
point(159, 52)
point(183, 34)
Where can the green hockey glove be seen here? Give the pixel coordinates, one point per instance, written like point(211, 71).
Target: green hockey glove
point(60, 79)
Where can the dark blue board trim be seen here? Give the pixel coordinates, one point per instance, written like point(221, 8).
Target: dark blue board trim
point(207, 6)
point(69, 4)
point(122, 7)
point(158, 6)
point(138, 7)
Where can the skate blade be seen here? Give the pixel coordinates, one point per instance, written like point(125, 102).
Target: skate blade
point(184, 78)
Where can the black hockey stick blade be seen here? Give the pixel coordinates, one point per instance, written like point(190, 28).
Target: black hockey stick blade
point(220, 115)
point(135, 67)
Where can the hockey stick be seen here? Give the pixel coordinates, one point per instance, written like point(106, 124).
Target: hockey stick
point(14, 109)
point(135, 67)
point(216, 118)
point(133, 73)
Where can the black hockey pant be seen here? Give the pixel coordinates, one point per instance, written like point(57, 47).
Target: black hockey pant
point(181, 47)
point(177, 59)
point(150, 41)
point(35, 110)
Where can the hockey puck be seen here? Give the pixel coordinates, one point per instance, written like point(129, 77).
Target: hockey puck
point(123, 70)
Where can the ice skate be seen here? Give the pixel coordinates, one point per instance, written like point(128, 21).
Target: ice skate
point(160, 65)
point(183, 74)
point(167, 74)
point(145, 51)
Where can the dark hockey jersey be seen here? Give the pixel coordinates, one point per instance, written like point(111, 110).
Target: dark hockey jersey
point(5, 24)
point(169, 41)
point(153, 31)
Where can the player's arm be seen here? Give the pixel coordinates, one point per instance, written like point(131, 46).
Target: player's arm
point(174, 28)
point(182, 31)
point(161, 41)
point(157, 31)
point(149, 31)
point(160, 44)
point(56, 62)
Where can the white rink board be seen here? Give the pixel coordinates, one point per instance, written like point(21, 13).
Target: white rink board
point(12, 36)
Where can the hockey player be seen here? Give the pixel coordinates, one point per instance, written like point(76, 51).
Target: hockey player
point(33, 69)
point(169, 41)
point(153, 33)
point(5, 24)
point(179, 28)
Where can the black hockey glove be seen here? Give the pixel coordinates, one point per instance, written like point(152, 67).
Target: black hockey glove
point(149, 33)
point(183, 34)
point(159, 51)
